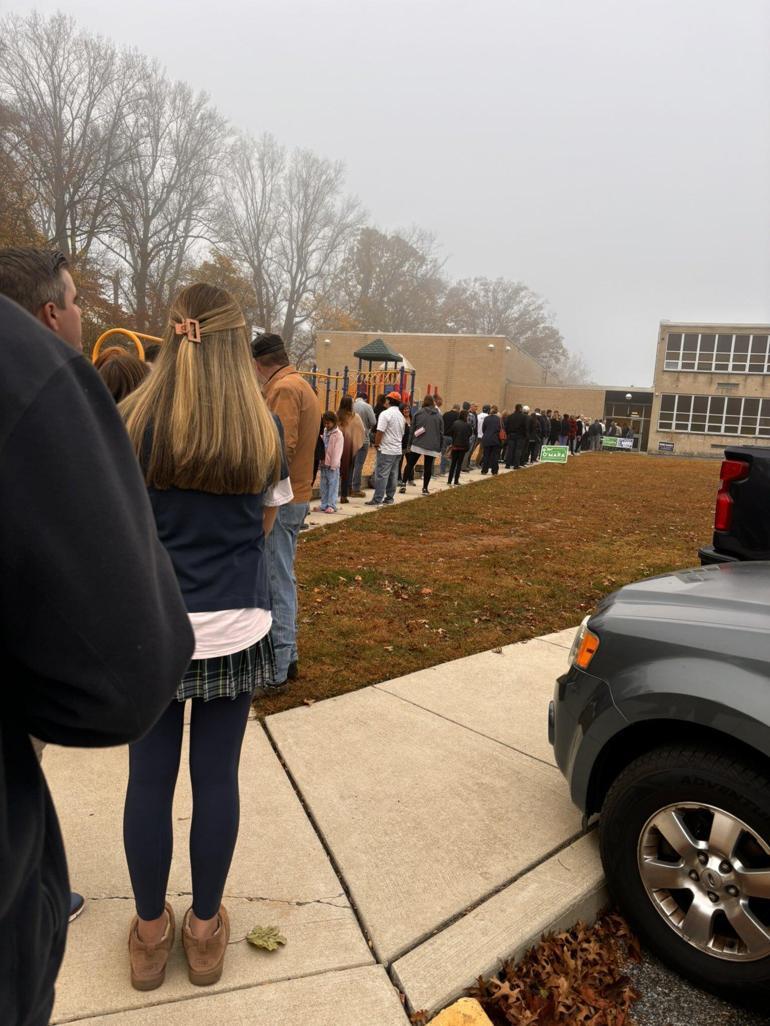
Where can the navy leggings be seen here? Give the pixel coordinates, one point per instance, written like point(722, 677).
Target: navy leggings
point(216, 734)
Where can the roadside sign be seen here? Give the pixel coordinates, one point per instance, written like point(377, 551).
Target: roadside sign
point(665, 446)
point(554, 454)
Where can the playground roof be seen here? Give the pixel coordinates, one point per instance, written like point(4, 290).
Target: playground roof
point(405, 364)
point(377, 350)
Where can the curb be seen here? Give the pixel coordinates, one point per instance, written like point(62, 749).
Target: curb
point(552, 896)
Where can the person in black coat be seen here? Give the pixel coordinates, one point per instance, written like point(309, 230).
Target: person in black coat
point(379, 406)
point(446, 442)
point(553, 436)
point(490, 442)
point(534, 438)
point(450, 417)
point(460, 433)
point(516, 429)
point(545, 425)
point(93, 630)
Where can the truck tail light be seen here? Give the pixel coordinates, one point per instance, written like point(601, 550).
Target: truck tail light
point(730, 472)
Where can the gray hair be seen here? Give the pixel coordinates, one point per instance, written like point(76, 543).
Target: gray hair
point(32, 277)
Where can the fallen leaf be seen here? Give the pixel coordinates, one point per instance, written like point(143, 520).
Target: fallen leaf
point(575, 977)
point(266, 937)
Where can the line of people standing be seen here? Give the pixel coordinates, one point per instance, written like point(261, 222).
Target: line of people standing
point(403, 436)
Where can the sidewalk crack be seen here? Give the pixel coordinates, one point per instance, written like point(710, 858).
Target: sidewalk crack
point(333, 900)
point(464, 726)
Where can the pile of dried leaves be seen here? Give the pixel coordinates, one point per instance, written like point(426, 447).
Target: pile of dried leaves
point(576, 978)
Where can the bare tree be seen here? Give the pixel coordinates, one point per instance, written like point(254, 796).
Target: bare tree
point(220, 270)
point(288, 225)
point(18, 225)
point(164, 190)
point(317, 224)
point(250, 219)
point(129, 174)
point(69, 92)
point(573, 370)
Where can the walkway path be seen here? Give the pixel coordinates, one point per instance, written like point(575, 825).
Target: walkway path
point(358, 506)
point(406, 836)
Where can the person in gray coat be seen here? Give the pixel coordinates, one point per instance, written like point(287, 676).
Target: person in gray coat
point(425, 440)
point(366, 413)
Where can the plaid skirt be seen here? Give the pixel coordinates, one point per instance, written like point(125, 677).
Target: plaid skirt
point(231, 675)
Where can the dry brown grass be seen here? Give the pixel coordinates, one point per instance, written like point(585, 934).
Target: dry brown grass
point(499, 562)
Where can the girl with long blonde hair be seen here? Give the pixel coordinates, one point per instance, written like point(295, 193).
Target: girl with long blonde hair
point(212, 458)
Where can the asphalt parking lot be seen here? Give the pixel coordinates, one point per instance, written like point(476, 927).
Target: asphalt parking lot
point(669, 1000)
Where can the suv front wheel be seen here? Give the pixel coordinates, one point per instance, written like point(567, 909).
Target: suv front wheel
point(685, 843)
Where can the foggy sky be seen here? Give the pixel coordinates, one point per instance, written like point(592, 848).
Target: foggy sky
point(612, 154)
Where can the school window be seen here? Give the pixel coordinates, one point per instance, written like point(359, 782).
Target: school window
point(710, 353)
point(715, 415)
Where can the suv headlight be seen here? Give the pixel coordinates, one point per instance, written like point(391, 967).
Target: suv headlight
point(584, 647)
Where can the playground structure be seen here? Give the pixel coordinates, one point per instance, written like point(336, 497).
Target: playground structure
point(330, 386)
point(136, 337)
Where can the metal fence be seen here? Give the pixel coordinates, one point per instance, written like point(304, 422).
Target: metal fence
point(331, 386)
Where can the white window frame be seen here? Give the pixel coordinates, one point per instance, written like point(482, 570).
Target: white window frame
point(675, 364)
point(667, 421)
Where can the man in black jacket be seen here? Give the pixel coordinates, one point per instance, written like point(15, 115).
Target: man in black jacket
point(534, 437)
point(449, 418)
point(516, 429)
point(94, 636)
point(555, 428)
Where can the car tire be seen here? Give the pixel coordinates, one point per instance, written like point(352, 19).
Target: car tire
point(697, 787)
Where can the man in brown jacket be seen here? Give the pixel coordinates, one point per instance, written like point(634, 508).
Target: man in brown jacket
point(295, 403)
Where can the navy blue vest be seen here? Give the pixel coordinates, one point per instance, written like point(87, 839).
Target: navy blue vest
point(216, 544)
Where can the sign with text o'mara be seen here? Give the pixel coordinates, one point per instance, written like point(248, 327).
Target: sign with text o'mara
point(554, 454)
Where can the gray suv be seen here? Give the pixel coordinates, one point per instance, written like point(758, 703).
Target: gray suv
point(662, 727)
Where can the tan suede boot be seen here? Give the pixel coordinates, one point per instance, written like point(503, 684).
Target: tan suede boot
point(148, 961)
point(206, 958)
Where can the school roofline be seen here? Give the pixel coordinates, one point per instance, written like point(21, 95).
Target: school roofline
point(438, 334)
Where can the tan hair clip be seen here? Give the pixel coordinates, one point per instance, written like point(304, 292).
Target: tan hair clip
point(189, 327)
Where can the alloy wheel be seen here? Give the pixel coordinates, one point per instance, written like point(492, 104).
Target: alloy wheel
point(708, 875)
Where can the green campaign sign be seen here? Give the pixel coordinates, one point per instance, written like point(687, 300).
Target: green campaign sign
point(608, 442)
point(554, 454)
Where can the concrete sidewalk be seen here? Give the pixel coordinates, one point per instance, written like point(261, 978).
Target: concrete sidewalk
point(407, 837)
point(355, 507)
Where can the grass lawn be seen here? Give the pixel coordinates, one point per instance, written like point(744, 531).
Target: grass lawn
point(477, 567)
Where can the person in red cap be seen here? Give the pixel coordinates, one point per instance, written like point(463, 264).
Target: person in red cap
point(387, 442)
